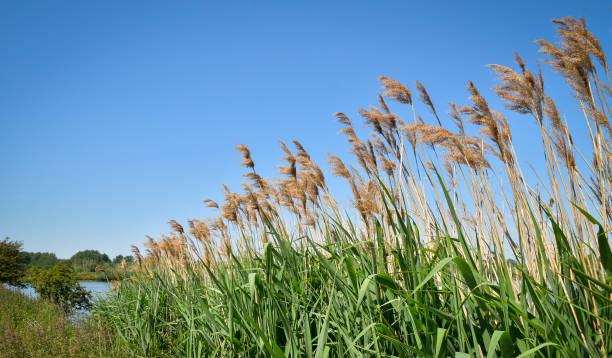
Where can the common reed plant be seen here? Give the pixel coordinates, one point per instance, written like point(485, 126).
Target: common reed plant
point(450, 250)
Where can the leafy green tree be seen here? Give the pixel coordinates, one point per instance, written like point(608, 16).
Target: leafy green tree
point(87, 260)
point(42, 260)
point(118, 259)
point(12, 263)
point(129, 259)
point(59, 285)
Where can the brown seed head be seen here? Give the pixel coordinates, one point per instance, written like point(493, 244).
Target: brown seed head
point(337, 166)
point(396, 90)
point(176, 226)
point(245, 153)
point(426, 99)
point(211, 204)
point(524, 92)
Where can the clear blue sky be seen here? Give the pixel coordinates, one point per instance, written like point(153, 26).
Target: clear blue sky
point(117, 116)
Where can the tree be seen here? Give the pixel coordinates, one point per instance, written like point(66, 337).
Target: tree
point(12, 263)
point(118, 259)
point(42, 260)
point(87, 260)
point(59, 285)
point(129, 259)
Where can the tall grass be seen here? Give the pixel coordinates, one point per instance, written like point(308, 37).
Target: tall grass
point(33, 327)
point(442, 255)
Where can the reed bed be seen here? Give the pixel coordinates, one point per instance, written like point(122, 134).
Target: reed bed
point(448, 249)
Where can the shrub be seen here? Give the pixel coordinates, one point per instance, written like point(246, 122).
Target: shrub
point(58, 284)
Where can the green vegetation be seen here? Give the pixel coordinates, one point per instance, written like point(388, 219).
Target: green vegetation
point(431, 263)
point(340, 299)
point(129, 259)
point(82, 261)
point(41, 260)
point(46, 326)
point(88, 260)
point(91, 265)
point(12, 263)
point(88, 265)
point(59, 285)
point(36, 328)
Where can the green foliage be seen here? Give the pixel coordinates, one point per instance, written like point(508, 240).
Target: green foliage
point(59, 285)
point(128, 259)
point(41, 260)
point(118, 259)
point(84, 264)
point(338, 300)
point(87, 260)
point(12, 262)
point(31, 327)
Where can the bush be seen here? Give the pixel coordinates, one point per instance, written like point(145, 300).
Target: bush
point(59, 285)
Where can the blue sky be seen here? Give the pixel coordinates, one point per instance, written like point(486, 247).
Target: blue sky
point(118, 116)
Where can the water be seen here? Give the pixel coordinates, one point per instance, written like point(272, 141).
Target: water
point(97, 288)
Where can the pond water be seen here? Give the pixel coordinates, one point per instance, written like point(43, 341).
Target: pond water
point(96, 288)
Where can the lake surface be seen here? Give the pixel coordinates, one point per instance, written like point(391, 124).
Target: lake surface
point(96, 288)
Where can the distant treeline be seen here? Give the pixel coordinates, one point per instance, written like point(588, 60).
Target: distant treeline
point(82, 261)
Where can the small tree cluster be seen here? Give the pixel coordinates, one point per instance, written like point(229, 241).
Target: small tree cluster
point(129, 259)
point(41, 260)
point(88, 260)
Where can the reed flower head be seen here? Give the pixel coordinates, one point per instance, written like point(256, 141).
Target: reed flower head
point(396, 90)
